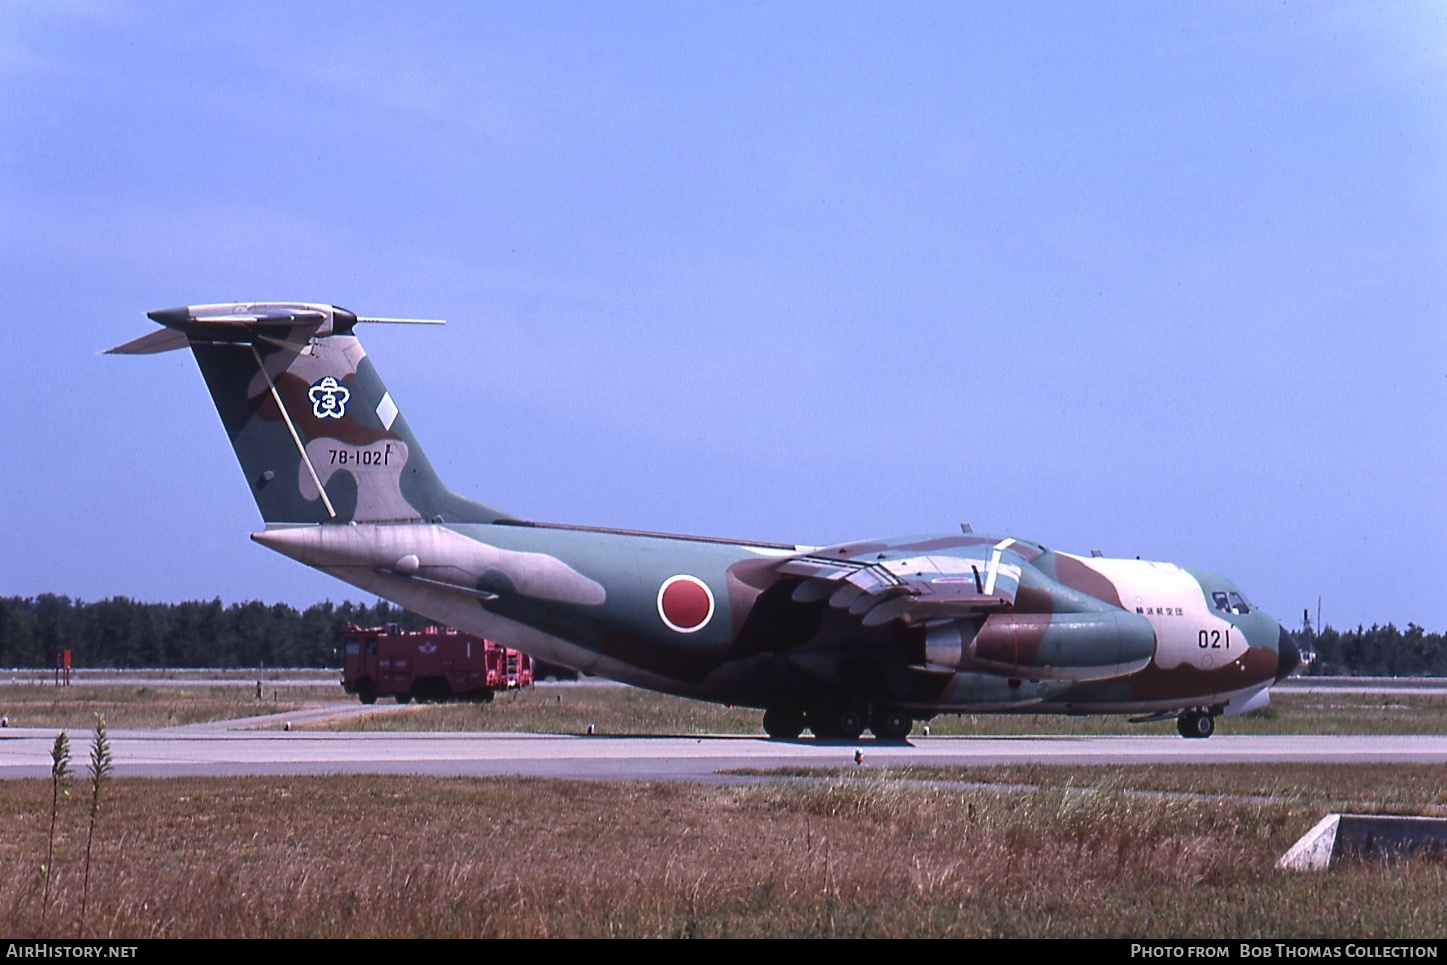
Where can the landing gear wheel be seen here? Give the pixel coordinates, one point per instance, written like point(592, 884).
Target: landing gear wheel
point(404, 698)
point(850, 723)
point(836, 722)
point(893, 725)
point(781, 724)
point(1196, 724)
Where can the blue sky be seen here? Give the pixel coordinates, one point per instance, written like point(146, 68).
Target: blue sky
point(1165, 280)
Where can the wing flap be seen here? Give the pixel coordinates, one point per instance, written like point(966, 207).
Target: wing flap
point(911, 588)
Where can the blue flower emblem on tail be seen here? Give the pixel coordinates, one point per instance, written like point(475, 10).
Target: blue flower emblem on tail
point(329, 398)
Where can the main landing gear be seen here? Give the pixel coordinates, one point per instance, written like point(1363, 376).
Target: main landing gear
point(893, 724)
point(841, 721)
point(1196, 723)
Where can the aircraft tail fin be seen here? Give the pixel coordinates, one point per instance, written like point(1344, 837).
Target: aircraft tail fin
point(317, 434)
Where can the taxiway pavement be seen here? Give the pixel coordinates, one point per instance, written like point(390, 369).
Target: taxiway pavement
point(195, 751)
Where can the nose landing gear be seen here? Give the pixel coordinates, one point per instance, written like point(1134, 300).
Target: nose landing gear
point(1196, 724)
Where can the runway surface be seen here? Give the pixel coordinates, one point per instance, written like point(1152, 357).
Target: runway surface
point(208, 750)
point(259, 745)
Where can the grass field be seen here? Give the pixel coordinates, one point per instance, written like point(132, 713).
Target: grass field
point(153, 705)
point(1014, 851)
point(882, 855)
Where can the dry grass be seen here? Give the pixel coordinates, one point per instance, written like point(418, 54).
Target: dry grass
point(565, 709)
point(33, 704)
point(854, 856)
point(1358, 788)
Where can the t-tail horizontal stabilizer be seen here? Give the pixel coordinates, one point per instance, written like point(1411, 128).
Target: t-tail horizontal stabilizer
point(231, 321)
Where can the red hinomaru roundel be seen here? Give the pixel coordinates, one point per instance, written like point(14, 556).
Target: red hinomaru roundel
point(685, 603)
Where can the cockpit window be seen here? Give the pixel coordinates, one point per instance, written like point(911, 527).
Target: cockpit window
point(1229, 601)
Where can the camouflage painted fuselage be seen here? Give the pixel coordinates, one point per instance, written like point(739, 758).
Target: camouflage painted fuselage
point(870, 633)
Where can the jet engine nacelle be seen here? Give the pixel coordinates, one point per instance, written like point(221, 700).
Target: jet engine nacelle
point(1043, 646)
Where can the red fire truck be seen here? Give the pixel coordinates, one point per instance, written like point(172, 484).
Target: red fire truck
point(433, 664)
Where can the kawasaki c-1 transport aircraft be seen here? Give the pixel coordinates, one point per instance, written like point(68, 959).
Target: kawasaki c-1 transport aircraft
point(875, 633)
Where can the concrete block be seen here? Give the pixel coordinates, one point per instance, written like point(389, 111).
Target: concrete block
point(1371, 836)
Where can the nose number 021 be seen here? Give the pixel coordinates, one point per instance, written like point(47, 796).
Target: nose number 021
point(1214, 639)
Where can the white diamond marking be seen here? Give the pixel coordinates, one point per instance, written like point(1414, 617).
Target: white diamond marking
point(387, 411)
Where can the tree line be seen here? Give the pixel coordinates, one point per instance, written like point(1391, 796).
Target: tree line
point(1374, 651)
point(123, 633)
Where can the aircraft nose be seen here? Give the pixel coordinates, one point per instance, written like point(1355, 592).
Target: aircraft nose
point(1288, 657)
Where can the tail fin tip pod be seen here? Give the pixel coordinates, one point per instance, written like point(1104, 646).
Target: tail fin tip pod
point(317, 434)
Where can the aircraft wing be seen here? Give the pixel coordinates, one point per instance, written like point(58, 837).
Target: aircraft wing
point(912, 588)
